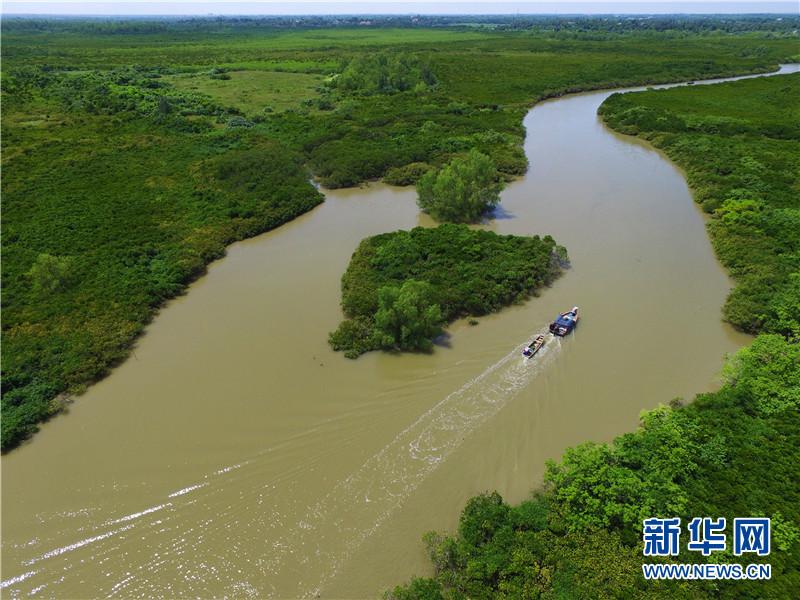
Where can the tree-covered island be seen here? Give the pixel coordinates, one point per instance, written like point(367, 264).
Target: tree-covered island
point(402, 287)
point(463, 191)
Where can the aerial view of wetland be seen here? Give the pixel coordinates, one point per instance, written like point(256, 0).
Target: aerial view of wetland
point(404, 307)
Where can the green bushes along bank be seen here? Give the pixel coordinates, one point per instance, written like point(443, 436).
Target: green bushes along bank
point(739, 144)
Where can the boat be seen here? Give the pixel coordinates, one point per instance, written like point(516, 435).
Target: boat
point(535, 345)
point(565, 322)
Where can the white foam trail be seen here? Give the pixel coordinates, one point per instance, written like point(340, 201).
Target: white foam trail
point(76, 545)
point(108, 534)
point(336, 525)
point(37, 589)
point(17, 579)
point(186, 490)
point(230, 468)
point(331, 529)
point(133, 516)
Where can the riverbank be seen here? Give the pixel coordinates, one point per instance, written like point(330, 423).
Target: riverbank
point(740, 147)
point(728, 453)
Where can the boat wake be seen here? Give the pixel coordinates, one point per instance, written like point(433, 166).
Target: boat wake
point(357, 506)
point(312, 549)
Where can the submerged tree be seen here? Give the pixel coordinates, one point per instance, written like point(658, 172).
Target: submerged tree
point(461, 192)
point(407, 317)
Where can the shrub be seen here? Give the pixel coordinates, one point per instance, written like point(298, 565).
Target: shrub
point(51, 274)
point(406, 175)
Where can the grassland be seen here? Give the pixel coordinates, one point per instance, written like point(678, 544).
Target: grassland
point(121, 183)
point(253, 92)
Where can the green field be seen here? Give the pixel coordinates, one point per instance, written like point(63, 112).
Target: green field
point(228, 46)
point(121, 175)
point(252, 91)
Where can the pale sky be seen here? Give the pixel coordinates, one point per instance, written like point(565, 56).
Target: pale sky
point(328, 7)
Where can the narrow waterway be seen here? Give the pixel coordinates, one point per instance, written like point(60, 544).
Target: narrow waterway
point(235, 454)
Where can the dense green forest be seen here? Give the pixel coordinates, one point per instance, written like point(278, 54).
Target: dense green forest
point(134, 152)
point(464, 272)
point(732, 453)
point(739, 144)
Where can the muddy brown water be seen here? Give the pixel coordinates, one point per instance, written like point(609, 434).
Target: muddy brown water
point(235, 454)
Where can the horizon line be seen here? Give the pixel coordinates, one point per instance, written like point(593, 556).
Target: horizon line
point(378, 8)
point(409, 14)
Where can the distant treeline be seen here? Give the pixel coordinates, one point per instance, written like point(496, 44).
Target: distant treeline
point(616, 23)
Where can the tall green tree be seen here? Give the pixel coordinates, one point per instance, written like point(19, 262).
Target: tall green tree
point(461, 192)
point(407, 316)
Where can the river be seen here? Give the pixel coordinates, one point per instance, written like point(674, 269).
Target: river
point(235, 454)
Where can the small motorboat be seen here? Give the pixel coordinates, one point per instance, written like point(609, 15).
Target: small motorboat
point(565, 322)
point(535, 345)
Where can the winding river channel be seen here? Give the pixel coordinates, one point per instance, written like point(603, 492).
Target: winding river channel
point(235, 454)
